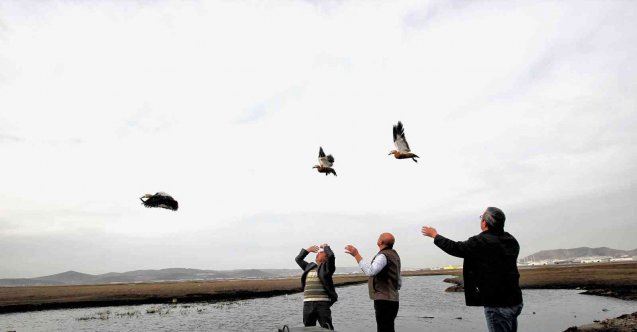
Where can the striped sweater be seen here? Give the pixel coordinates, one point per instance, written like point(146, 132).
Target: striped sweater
point(314, 290)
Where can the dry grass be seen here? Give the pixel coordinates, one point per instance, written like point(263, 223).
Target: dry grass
point(51, 297)
point(48, 297)
point(573, 276)
point(585, 276)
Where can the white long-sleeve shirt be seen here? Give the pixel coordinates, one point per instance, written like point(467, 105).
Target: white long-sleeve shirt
point(377, 265)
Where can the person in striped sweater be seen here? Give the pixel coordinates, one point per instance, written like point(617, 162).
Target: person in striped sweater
point(318, 287)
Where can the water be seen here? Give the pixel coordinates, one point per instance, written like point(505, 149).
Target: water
point(555, 310)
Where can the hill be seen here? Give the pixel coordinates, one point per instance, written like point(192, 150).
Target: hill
point(560, 254)
point(171, 274)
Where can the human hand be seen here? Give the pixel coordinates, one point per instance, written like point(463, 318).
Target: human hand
point(429, 231)
point(313, 249)
point(350, 249)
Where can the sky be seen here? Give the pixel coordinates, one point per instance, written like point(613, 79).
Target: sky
point(527, 106)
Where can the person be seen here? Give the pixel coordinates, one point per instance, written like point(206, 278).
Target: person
point(490, 271)
point(384, 280)
point(318, 287)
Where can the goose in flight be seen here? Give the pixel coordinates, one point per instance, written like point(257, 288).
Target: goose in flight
point(325, 163)
point(402, 147)
point(159, 200)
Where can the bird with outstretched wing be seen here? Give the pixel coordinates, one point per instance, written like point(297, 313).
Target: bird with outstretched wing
point(325, 163)
point(160, 200)
point(400, 142)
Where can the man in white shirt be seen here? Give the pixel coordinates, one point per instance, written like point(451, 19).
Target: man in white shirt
point(384, 280)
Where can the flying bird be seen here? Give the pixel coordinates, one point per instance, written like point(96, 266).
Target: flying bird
point(402, 147)
point(325, 163)
point(159, 200)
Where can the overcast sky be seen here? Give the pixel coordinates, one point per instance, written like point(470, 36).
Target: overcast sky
point(530, 107)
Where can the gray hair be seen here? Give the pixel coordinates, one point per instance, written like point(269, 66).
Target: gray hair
point(494, 217)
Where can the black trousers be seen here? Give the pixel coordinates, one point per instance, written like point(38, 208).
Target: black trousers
point(318, 310)
point(386, 312)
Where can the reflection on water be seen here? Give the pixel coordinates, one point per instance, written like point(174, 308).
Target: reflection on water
point(424, 306)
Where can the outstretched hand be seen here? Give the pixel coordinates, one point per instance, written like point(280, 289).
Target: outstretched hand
point(350, 249)
point(429, 231)
point(313, 249)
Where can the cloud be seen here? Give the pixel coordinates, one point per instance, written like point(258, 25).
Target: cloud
point(424, 16)
point(266, 107)
point(10, 138)
point(224, 105)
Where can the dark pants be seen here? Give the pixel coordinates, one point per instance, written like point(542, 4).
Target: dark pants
point(318, 310)
point(386, 312)
point(502, 319)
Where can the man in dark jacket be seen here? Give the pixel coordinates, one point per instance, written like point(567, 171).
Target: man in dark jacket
point(490, 271)
point(318, 287)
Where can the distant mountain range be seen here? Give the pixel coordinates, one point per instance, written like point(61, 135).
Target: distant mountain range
point(182, 274)
point(561, 254)
point(173, 274)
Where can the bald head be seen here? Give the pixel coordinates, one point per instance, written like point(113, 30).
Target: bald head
point(386, 240)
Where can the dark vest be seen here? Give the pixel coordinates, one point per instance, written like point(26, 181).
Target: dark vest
point(384, 285)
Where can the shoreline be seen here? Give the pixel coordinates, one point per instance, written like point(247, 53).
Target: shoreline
point(618, 280)
point(604, 279)
point(36, 298)
point(622, 323)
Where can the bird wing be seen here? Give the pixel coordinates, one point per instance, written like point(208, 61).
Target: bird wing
point(151, 201)
point(399, 138)
point(170, 204)
point(325, 161)
point(161, 201)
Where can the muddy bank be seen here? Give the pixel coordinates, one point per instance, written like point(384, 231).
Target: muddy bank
point(617, 280)
point(30, 298)
point(624, 293)
point(586, 276)
point(623, 323)
point(15, 299)
point(458, 284)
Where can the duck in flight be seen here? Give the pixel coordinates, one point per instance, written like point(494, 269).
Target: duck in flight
point(159, 200)
point(325, 163)
point(402, 147)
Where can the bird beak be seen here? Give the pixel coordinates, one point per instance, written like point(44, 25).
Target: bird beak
point(389, 154)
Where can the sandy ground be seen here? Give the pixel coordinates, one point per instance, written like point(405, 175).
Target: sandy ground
point(593, 276)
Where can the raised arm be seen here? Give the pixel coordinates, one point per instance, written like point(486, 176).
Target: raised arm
point(369, 269)
point(300, 258)
point(377, 264)
point(331, 259)
point(460, 249)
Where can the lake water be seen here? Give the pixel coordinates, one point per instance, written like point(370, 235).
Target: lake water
point(421, 298)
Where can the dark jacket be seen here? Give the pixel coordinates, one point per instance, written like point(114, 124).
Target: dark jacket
point(489, 270)
point(324, 272)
